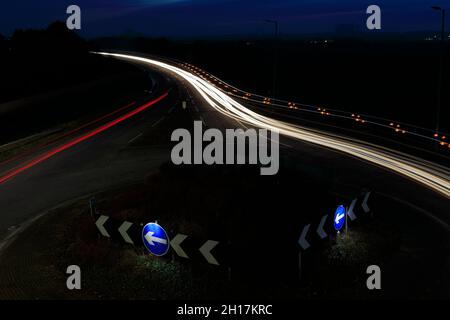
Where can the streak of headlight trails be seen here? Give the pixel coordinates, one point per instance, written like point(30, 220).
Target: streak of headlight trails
point(67, 134)
point(431, 176)
point(78, 140)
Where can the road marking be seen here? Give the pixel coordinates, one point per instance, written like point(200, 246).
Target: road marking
point(280, 143)
point(285, 145)
point(440, 222)
point(78, 140)
point(243, 125)
point(64, 135)
point(135, 138)
point(26, 139)
point(389, 159)
point(157, 122)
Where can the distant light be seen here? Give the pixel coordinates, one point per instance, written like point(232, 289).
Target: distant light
point(227, 106)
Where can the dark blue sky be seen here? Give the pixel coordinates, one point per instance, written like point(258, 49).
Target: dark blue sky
point(191, 18)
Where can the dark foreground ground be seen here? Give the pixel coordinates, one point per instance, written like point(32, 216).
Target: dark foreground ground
point(261, 225)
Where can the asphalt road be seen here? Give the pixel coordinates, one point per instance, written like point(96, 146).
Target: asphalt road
point(125, 153)
point(108, 159)
point(421, 186)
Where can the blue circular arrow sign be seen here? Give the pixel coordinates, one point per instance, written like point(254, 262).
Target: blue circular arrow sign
point(155, 239)
point(339, 218)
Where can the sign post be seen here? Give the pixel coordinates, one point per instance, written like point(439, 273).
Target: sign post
point(339, 218)
point(299, 266)
point(93, 207)
point(155, 239)
point(346, 221)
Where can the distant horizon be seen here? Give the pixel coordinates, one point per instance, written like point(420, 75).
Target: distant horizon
point(242, 36)
point(218, 18)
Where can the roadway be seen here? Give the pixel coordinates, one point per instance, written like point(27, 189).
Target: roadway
point(107, 159)
point(113, 158)
point(420, 184)
point(100, 162)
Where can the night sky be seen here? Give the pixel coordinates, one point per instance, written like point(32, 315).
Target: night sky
point(211, 18)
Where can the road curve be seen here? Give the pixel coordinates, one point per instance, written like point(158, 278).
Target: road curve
point(99, 157)
point(434, 177)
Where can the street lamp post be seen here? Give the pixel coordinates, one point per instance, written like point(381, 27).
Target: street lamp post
point(275, 58)
point(441, 66)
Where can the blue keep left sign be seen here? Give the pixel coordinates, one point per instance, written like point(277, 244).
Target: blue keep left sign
point(155, 239)
point(339, 218)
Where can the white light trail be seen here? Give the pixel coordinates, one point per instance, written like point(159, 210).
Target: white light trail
point(431, 175)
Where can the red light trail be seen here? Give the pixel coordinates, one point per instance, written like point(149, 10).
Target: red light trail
point(64, 135)
point(78, 140)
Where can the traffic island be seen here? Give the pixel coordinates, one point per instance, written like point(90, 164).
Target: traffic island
point(220, 243)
